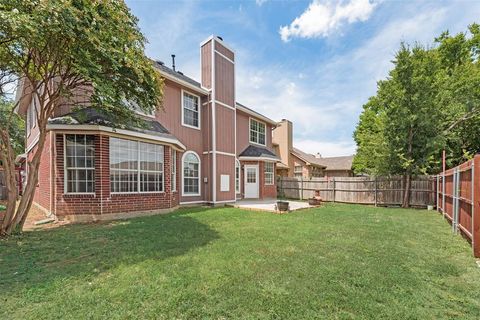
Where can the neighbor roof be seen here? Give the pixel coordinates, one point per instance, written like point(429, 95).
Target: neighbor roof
point(330, 163)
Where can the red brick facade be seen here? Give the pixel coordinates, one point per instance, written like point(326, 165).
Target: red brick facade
point(101, 202)
point(265, 191)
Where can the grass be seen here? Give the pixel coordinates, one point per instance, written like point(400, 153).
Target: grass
point(338, 261)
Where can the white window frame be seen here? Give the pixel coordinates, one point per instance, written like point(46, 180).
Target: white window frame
point(173, 171)
point(257, 132)
point(138, 170)
point(199, 175)
point(272, 173)
point(199, 110)
point(238, 179)
point(296, 173)
point(66, 168)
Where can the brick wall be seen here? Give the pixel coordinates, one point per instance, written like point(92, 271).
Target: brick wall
point(102, 202)
point(43, 190)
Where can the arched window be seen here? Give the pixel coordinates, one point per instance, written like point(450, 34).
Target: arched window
point(191, 174)
point(237, 176)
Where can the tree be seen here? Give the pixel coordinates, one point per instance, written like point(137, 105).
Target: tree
point(54, 48)
point(429, 102)
point(17, 127)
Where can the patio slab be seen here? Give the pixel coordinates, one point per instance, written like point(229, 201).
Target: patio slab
point(269, 205)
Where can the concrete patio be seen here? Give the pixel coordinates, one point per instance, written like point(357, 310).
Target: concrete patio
point(270, 205)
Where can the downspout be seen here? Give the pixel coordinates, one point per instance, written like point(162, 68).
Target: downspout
point(214, 129)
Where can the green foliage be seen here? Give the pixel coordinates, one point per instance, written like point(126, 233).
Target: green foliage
point(16, 128)
point(429, 102)
point(80, 43)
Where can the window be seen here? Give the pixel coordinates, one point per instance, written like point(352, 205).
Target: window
point(79, 163)
point(298, 171)
point(268, 173)
point(173, 178)
point(191, 174)
point(237, 176)
point(31, 115)
point(257, 132)
point(190, 110)
point(135, 166)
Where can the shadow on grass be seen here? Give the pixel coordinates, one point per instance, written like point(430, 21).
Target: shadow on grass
point(40, 257)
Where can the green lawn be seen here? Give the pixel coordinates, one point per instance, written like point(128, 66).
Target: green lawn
point(338, 261)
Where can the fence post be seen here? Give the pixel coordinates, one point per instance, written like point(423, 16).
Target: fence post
point(443, 194)
point(375, 195)
point(476, 206)
point(333, 180)
point(301, 188)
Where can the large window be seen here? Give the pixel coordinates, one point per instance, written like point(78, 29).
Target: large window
point(257, 132)
point(269, 173)
point(191, 174)
point(173, 178)
point(237, 176)
point(190, 110)
point(135, 166)
point(79, 163)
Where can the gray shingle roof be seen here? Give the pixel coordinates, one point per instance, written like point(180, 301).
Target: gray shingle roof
point(258, 152)
point(96, 117)
point(176, 74)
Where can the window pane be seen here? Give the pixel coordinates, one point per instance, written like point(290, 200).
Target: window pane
point(191, 174)
point(190, 110)
point(79, 162)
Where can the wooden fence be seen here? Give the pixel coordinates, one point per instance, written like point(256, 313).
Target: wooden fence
point(458, 198)
point(379, 191)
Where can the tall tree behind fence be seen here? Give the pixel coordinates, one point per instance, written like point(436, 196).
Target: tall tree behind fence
point(363, 190)
point(458, 199)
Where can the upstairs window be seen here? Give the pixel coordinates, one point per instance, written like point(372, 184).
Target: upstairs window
point(257, 132)
point(79, 163)
point(268, 173)
point(190, 110)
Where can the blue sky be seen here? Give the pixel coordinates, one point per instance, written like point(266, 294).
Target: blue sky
point(313, 62)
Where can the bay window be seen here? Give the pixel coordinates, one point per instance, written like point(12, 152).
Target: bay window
point(79, 163)
point(136, 166)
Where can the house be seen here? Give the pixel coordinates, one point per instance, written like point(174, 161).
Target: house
point(296, 163)
point(203, 148)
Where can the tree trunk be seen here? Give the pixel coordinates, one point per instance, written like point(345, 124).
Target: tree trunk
point(7, 157)
point(406, 195)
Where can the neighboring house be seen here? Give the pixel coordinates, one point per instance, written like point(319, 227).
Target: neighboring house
point(203, 148)
point(296, 163)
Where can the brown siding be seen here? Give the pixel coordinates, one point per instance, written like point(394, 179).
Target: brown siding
point(223, 50)
point(206, 67)
point(243, 132)
point(224, 81)
point(226, 166)
point(225, 129)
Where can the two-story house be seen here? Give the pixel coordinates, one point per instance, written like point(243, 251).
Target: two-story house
point(203, 148)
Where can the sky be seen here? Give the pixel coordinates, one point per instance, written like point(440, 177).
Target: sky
point(313, 62)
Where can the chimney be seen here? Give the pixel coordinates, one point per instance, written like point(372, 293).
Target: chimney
point(173, 62)
point(318, 155)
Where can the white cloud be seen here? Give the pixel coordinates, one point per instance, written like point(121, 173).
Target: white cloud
point(260, 2)
point(326, 148)
point(322, 18)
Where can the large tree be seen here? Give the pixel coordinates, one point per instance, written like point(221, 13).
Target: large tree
point(54, 48)
point(429, 102)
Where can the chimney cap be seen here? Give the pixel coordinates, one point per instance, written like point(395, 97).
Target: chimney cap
point(220, 38)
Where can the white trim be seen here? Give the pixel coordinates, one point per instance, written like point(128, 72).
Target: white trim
point(258, 159)
point(221, 152)
point(225, 57)
point(198, 111)
point(224, 201)
point(193, 202)
point(225, 105)
point(239, 190)
point(173, 164)
point(65, 168)
point(214, 128)
point(121, 132)
point(181, 82)
point(33, 144)
point(264, 133)
point(199, 175)
point(255, 114)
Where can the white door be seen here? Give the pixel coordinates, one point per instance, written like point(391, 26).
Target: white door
point(251, 181)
